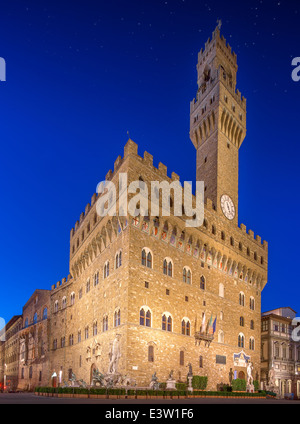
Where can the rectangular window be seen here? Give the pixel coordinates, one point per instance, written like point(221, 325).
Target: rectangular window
point(200, 361)
point(40, 376)
point(181, 358)
point(150, 353)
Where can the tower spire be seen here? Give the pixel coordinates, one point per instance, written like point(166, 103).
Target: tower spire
point(218, 123)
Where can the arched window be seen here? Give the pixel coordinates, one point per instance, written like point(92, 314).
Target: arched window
point(220, 336)
point(186, 327)
point(142, 317)
point(242, 299)
point(96, 278)
point(144, 257)
point(88, 286)
point(145, 317)
point(86, 332)
point(186, 275)
point(149, 260)
point(169, 325)
point(95, 328)
point(202, 282)
point(64, 302)
point(118, 259)
point(72, 298)
point(106, 269)
point(56, 306)
point(242, 322)
point(165, 267)
point(105, 323)
point(252, 324)
point(252, 303)
point(117, 318)
point(151, 353)
point(148, 318)
point(71, 340)
point(35, 318)
point(251, 343)
point(241, 340)
point(166, 322)
point(168, 267)
point(45, 313)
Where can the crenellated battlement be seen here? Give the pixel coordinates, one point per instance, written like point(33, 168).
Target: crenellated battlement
point(62, 282)
point(218, 42)
point(131, 149)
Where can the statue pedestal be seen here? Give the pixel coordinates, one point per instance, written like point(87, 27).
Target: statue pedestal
point(250, 388)
point(171, 385)
point(190, 388)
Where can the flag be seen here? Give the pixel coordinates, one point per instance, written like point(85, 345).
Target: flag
point(214, 325)
point(202, 330)
point(209, 326)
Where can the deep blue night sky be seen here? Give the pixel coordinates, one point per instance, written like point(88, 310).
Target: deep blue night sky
point(80, 74)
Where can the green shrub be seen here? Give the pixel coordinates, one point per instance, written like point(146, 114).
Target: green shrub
point(116, 391)
point(181, 386)
point(97, 391)
point(238, 385)
point(181, 392)
point(199, 382)
point(256, 385)
point(81, 391)
point(141, 393)
point(157, 392)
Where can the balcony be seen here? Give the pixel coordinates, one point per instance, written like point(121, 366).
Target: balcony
point(206, 338)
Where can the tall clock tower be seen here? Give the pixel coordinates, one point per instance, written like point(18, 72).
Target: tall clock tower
point(218, 125)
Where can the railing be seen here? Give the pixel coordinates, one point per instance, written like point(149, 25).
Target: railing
point(206, 338)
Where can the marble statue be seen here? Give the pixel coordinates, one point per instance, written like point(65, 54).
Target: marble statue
point(249, 374)
point(114, 355)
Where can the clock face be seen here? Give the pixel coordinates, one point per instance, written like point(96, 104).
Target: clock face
point(227, 207)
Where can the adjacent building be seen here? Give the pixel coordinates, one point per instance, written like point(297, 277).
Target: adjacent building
point(280, 349)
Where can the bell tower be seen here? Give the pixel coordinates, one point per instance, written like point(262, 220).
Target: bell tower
point(218, 125)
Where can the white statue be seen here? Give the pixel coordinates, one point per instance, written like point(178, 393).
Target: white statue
point(249, 373)
point(271, 377)
point(114, 355)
